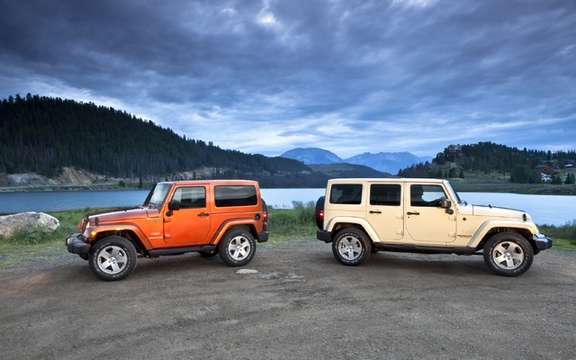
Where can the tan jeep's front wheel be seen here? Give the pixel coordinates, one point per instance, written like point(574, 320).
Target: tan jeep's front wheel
point(508, 254)
point(351, 246)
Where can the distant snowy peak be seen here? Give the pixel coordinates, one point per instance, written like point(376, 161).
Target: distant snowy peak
point(390, 162)
point(311, 156)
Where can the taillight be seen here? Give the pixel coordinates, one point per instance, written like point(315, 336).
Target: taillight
point(265, 216)
point(319, 213)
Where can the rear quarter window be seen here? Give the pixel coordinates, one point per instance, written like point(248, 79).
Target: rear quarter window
point(237, 195)
point(349, 194)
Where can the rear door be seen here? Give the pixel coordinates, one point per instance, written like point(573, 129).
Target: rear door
point(385, 211)
point(190, 224)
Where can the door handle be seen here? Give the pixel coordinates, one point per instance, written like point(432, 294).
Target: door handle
point(412, 213)
point(203, 214)
point(375, 212)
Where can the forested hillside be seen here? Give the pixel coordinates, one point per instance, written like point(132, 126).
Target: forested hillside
point(519, 165)
point(43, 135)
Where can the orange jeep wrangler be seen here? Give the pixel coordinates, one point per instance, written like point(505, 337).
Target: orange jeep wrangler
point(224, 217)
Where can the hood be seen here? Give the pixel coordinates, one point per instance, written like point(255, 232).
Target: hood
point(482, 210)
point(123, 215)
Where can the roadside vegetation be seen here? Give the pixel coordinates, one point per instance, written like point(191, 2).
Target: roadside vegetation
point(564, 237)
point(292, 224)
point(284, 224)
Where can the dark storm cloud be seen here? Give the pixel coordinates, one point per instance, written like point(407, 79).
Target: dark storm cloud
point(350, 76)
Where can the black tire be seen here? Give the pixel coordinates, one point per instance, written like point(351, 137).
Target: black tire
point(107, 245)
point(351, 235)
point(242, 236)
point(513, 242)
point(208, 254)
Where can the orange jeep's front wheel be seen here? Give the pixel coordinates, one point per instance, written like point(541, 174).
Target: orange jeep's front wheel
point(112, 258)
point(237, 248)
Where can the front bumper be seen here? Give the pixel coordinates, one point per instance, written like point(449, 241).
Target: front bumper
point(324, 235)
point(76, 244)
point(542, 242)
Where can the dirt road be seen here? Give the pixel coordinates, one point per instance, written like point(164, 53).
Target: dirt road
point(301, 305)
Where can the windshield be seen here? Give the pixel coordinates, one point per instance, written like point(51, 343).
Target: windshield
point(457, 196)
point(157, 195)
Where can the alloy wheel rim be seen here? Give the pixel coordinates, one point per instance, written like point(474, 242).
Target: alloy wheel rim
point(239, 248)
point(508, 255)
point(350, 248)
point(112, 259)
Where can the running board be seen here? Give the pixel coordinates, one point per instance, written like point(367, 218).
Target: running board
point(181, 250)
point(427, 249)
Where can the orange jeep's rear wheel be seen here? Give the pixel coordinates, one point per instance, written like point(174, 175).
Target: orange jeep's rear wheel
point(351, 246)
point(508, 254)
point(112, 258)
point(237, 248)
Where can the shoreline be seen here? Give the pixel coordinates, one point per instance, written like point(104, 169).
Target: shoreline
point(512, 188)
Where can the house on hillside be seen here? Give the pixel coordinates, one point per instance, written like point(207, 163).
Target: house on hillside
point(545, 178)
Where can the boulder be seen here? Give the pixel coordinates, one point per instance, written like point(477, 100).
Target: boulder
point(10, 224)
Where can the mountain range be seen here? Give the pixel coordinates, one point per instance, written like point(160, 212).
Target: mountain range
point(388, 162)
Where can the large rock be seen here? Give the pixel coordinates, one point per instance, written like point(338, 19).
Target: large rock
point(25, 221)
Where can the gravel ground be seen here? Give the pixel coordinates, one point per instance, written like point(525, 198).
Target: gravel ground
point(300, 305)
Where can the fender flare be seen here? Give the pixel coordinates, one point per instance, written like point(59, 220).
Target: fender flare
point(354, 220)
point(117, 228)
point(488, 225)
point(227, 225)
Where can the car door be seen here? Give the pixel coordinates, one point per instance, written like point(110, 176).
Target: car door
point(384, 211)
point(427, 222)
point(189, 223)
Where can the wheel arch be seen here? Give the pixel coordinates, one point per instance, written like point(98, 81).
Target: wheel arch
point(129, 234)
point(524, 231)
point(232, 225)
point(337, 224)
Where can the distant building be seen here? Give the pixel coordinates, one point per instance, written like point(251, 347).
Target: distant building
point(545, 178)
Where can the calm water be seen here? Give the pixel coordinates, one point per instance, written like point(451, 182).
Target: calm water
point(545, 209)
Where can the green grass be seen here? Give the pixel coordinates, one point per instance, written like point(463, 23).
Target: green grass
point(564, 237)
point(296, 223)
point(37, 243)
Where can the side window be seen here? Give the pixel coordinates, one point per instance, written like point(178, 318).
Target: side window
point(426, 195)
point(385, 194)
point(191, 197)
point(243, 195)
point(350, 194)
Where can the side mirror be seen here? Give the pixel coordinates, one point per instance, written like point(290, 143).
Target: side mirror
point(447, 204)
point(174, 205)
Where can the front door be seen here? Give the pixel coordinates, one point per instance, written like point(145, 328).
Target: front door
point(190, 224)
point(385, 213)
point(426, 221)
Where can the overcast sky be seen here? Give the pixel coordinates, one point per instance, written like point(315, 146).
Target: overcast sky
point(349, 76)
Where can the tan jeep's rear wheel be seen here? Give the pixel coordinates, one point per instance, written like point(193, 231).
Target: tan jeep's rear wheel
point(351, 246)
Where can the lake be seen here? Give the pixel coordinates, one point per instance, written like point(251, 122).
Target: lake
point(545, 209)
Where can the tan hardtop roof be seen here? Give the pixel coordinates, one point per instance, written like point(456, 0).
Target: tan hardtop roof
point(394, 180)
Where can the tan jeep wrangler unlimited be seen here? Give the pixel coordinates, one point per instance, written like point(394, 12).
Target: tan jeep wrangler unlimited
point(360, 216)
